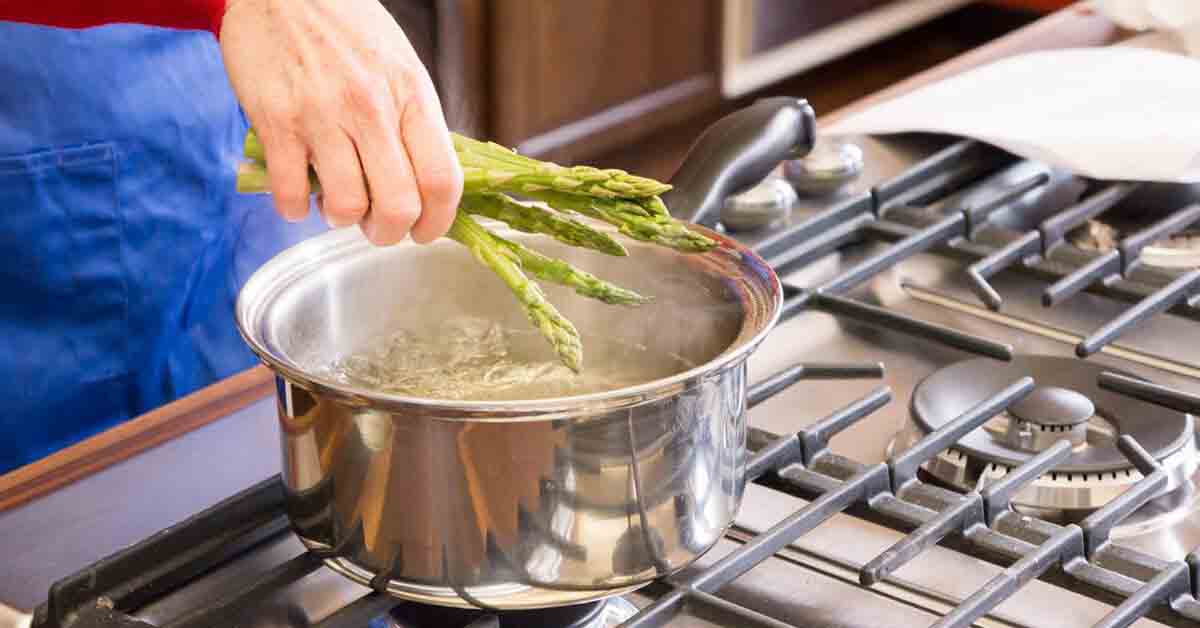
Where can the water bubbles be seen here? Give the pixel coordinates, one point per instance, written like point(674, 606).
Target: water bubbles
point(470, 358)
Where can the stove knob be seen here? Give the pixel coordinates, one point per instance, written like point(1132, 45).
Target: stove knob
point(760, 206)
point(830, 166)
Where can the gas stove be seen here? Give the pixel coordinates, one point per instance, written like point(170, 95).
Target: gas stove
point(970, 415)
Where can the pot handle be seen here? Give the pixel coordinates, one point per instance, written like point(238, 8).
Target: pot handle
point(737, 152)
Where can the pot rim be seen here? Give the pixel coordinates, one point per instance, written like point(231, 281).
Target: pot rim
point(274, 276)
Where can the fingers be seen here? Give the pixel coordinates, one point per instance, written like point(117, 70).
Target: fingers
point(343, 191)
point(439, 177)
point(288, 174)
point(395, 201)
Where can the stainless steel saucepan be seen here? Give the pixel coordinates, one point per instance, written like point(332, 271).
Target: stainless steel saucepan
point(524, 504)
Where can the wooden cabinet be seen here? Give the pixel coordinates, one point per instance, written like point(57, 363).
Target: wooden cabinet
point(583, 76)
point(569, 79)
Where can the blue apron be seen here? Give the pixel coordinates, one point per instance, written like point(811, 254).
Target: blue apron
point(123, 241)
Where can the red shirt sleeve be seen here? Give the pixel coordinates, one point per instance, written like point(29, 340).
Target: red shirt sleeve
point(185, 14)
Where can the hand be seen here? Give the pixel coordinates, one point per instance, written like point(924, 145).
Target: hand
point(336, 83)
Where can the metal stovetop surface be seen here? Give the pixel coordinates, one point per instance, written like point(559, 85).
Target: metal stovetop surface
point(814, 583)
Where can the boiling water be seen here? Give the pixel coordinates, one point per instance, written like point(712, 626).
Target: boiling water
point(476, 359)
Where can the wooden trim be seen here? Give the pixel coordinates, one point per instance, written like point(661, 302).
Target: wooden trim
point(624, 123)
point(134, 436)
point(1076, 26)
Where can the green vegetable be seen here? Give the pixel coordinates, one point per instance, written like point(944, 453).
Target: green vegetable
point(534, 219)
point(489, 167)
point(506, 264)
point(631, 218)
point(629, 202)
point(562, 273)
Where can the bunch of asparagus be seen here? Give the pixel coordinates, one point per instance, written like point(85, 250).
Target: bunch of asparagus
point(493, 175)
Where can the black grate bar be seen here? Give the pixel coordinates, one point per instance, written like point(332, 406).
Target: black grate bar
point(819, 245)
point(360, 612)
point(1168, 584)
point(741, 612)
point(769, 387)
point(779, 536)
point(1122, 259)
point(815, 438)
point(224, 612)
point(1098, 525)
point(1152, 393)
point(1175, 292)
point(979, 272)
point(940, 186)
point(1049, 233)
point(956, 518)
point(1131, 247)
point(977, 214)
point(904, 465)
point(892, 321)
point(847, 211)
point(1108, 580)
point(659, 612)
point(780, 453)
point(172, 557)
point(939, 233)
point(964, 151)
point(1107, 264)
point(817, 370)
point(998, 496)
point(795, 301)
point(1056, 227)
point(1055, 550)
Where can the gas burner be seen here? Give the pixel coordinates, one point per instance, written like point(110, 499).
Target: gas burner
point(603, 614)
point(1180, 250)
point(1067, 405)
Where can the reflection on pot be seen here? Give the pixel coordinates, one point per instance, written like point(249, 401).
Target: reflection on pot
point(517, 513)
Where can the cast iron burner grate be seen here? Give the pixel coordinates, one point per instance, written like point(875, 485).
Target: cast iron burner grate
point(951, 202)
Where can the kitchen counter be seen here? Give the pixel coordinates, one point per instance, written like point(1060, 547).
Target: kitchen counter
point(81, 504)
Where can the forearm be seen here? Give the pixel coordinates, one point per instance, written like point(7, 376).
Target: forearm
point(182, 14)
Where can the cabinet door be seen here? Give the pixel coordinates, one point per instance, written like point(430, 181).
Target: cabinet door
point(571, 78)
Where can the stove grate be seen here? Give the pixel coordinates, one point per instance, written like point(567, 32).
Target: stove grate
point(982, 523)
point(947, 177)
point(1080, 557)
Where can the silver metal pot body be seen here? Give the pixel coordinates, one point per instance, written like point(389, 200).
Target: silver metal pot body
point(512, 504)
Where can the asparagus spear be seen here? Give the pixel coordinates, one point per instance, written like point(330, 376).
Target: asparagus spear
point(626, 201)
point(629, 217)
point(503, 260)
point(534, 219)
point(505, 263)
point(252, 178)
point(488, 166)
point(559, 272)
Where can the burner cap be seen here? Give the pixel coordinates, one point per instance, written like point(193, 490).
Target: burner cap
point(1068, 395)
point(1053, 406)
